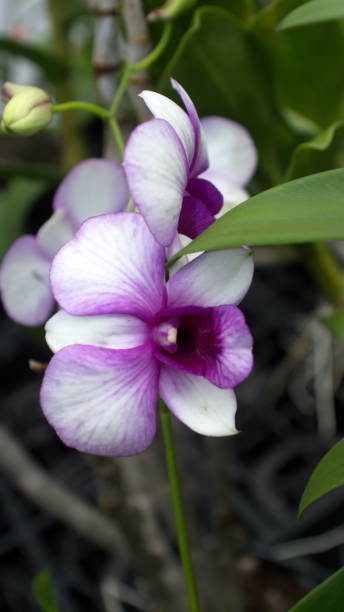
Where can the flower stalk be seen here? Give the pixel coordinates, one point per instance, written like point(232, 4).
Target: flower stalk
point(129, 70)
point(183, 541)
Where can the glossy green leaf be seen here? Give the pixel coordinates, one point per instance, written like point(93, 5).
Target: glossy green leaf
point(305, 210)
point(44, 591)
point(226, 73)
point(328, 475)
point(270, 16)
point(335, 323)
point(323, 152)
point(304, 78)
point(314, 12)
point(326, 597)
point(240, 8)
point(15, 203)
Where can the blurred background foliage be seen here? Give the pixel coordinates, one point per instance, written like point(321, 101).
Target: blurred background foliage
point(228, 54)
point(285, 86)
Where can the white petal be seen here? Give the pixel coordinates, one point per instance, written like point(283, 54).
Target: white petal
point(94, 187)
point(200, 159)
point(232, 194)
point(231, 149)
point(102, 401)
point(24, 283)
point(164, 108)
point(198, 403)
point(212, 279)
point(107, 331)
point(113, 265)
point(54, 233)
point(157, 173)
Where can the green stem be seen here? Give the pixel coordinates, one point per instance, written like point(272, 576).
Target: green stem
point(325, 270)
point(146, 62)
point(121, 89)
point(127, 72)
point(152, 57)
point(78, 105)
point(184, 547)
point(116, 130)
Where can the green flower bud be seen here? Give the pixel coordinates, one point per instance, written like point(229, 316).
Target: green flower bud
point(28, 110)
point(171, 9)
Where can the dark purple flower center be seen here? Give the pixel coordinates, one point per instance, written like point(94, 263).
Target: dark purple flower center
point(202, 201)
point(186, 338)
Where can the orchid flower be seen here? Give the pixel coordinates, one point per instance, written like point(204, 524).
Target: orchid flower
point(179, 168)
point(163, 160)
point(232, 159)
point(92, 188)
point(124, 337)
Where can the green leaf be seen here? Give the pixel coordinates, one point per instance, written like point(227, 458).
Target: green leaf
point(44, 591)
point(316, 11)
point(328, 475)
point(225, 72)
point(15, 202)
point(305, 210)
point(335, 323)
point(240, 8)
point(323, 152)
point(270, 16)
point(310, 88)
point(326, 597)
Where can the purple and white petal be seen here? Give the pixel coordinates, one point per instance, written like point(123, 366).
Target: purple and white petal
point(24, 282)
point(214, 343)
point(233, 359)
point(231, 149)
point(164, 108)
point(180, 241)
point(207, 192)
point(107, 331)
point(194, 217)
point(94, 187)
point(102, 401)
point(196, 402)
point(212, 279)
point(157, 173)
point(232, 194)
point(113, 265)
point(200, 160)
point(54, 233)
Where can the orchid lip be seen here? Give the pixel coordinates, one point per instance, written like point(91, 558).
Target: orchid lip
point(165, 335)
point(124, 337)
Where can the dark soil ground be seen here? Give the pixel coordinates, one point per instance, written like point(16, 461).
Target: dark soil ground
point(241, 493)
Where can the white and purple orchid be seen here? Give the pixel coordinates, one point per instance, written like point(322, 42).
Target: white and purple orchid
point(124, 337)
point(180, 169)
point(163, 160)
point(93, 187)
point(232, 159)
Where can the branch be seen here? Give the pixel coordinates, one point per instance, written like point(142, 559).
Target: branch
point(34, 482)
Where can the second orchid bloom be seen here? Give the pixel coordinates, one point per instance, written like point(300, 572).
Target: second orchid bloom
point(124, 336)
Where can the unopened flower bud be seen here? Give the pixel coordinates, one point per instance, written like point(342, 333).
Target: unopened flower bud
point(171, 9)
point(28, 109)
